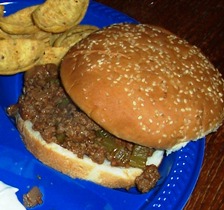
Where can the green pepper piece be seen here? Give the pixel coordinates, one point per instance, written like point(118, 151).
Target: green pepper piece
point(109, 144)
point(121, 155)
point(108, 141)
point(103, 134)
point(139, 156)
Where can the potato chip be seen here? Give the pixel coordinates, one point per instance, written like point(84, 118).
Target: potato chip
point(74, 35)
point(22, 17)
point(53, 55)
point(59, 15)
point(18, 55)
point(46, 37)
point(20, 22)
point(23, 44)
point(53, 38)
point(17, 29)
point(41, 35)
point(3, 35)
point(1, 10)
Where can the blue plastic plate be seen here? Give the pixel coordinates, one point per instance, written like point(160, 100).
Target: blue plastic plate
point(21, 169)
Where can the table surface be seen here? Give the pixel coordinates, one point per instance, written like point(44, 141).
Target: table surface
point(202, 24)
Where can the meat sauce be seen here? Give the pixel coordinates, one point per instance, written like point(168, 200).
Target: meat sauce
point(46, 104)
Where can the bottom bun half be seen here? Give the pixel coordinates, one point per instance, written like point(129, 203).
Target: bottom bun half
point(68, 163)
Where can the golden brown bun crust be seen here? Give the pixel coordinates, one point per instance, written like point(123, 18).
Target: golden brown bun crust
point(145, 85)
point(68, 163)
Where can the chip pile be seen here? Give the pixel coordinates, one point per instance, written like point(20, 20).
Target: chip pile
point(41, 34)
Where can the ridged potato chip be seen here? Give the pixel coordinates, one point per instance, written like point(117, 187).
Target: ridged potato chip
point(18, 55)
point(53, 55)
point(74, 35)
point(59, 15)
point(46, 37)
point(25, 44)
point(17, 29)
point(20, 22)
point(3, 35)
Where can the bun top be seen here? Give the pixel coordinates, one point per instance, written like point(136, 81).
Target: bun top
point(145, 85)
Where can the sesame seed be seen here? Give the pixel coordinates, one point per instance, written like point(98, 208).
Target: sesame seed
point(150, 120)
point(140, 117)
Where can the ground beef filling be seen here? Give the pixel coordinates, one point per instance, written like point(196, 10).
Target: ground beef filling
point(59, 120)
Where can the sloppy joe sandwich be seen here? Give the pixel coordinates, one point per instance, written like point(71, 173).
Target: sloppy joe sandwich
point(120, 97)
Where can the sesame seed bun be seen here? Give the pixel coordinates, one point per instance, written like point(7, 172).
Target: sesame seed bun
point(145, 85)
